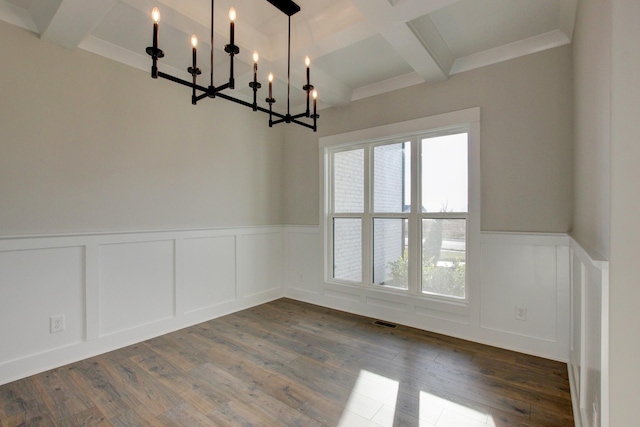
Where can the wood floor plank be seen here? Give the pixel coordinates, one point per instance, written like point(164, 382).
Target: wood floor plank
point(133, 417)
point(235, 414)
point(252, 395)
point(416, 380)
point(91, 380)
point(61, 395)
point(294, 394)
point(284, 337)
point(22, 405)
point(180, 348)
point(460, 369)
point(155, 395)
point(232, 348)
point(91, 417)
point(184, 415)
point(363, 346)
point(288, 363)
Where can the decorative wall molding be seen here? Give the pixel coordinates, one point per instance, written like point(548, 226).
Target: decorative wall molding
point(517, 269)
point(116, 289)
point(589, 354)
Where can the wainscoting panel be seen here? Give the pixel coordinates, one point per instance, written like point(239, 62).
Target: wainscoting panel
point(385, 303)
point(117, 289)
point(527, 271)
point(35, 285)
point(304, 258)
point(209, 272)
point(448, 315)
point(519, 277)
point(588, 363)
point(260, 261)
point(137, 284)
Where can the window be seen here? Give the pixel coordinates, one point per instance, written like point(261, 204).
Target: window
point(444, 211)
point(401, 211)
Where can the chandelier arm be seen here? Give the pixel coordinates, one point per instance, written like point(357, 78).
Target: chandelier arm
point(298, 122)
point(250, 105)
point(220, 95)
point(297, 116)
point(221, 87)
point(182, 82)
point(201, 97)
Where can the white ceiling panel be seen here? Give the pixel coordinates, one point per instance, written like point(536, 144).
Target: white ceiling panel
point(472, 26)
point(363, 63)
point(359, 48)
point(23, 4)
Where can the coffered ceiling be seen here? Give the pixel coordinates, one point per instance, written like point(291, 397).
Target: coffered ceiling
point(358, 48)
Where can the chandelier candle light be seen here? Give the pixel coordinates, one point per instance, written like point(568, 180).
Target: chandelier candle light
point(287, 7)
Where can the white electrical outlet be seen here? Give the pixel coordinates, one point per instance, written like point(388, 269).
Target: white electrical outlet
point(57, 323)
point(521, 313)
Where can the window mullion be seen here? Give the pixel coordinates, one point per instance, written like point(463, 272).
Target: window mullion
point(414, 229)
point(367, 220)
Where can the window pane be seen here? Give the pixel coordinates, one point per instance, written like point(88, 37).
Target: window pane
point(444, 257)
point(392, 178)
point(348, 181)
point(390, 255)
point(347, 249)
point(445, 173)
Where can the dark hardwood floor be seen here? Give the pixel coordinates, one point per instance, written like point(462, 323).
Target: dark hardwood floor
point(288, 363)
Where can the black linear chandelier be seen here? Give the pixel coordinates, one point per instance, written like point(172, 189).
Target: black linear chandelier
point(287, 7)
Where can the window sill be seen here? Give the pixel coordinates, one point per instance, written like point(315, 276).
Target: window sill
point(459, 307)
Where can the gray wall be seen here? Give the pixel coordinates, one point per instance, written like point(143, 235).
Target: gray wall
point(592, 119)
point(91, 145)
point(607, 154)
point(624, 275)
point(527, 131)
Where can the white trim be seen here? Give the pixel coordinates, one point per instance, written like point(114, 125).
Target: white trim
point(518, 238)
point(587, 393)
point(604, 348)
point(467, 120)
point(573, 390)
point(509, 51)
point(92, 291)
point(389, 85)
point(401, 129)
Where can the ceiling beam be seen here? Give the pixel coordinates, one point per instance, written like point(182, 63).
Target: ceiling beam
point(68, 22)
point(567, 17)
point(427, 33)
point(405, 43)
point(391, 23)
point(17, 16)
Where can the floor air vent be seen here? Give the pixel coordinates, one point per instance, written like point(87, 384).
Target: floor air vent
point(385, 324)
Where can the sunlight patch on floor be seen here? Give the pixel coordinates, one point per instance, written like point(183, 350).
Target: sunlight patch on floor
point(372, 401)
point(440, 412)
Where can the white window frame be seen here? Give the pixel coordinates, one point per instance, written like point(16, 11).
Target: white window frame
point(458, 121)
